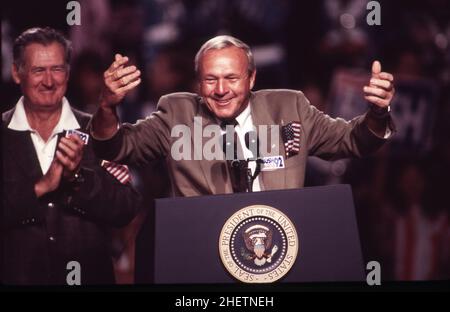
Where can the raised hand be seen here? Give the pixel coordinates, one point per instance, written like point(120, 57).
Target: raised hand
point(119, 79)
point(380, 90)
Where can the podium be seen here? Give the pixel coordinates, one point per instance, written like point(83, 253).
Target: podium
point(179, 243)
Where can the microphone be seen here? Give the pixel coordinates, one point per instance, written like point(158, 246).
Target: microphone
point(238, 168)
point(252, 143)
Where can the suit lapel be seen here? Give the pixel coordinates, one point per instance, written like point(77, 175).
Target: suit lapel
point(82, 118)
point(262, 115)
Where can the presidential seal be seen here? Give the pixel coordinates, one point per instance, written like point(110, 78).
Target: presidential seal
point(258, 244)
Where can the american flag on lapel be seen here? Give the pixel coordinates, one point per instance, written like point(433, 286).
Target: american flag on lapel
point(291, 137)
point(118, 171)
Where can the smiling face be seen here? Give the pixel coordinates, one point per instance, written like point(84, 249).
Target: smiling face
point(225, 82)
point(43, 76)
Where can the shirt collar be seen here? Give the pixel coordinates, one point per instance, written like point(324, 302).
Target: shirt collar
point(67, 120)
point(244, 115)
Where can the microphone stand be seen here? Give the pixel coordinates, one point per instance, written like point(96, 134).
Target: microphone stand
point(251, 178)
point(239, 170)
point(252, 142)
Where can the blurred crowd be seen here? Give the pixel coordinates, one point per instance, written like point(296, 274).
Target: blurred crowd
point(323, 48)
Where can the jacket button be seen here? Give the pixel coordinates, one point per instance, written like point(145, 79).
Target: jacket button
point(51, 205)
point(51, 238)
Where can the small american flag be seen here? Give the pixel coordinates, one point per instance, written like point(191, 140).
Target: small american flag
point(120, 172)
point(291, 138)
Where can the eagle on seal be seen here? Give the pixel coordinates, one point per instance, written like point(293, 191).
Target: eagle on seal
point(258, 240)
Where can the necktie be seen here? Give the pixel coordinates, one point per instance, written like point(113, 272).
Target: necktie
point(235, 156)
point(232, 145)
point(228, 122)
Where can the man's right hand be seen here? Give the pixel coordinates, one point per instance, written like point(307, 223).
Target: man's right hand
point(119, 80)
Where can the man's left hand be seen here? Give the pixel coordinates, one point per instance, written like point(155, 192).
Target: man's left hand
point(69, 154)
point(380, 90)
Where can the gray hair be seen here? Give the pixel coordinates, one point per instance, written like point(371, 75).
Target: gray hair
point(44, 36)
point(222, 42)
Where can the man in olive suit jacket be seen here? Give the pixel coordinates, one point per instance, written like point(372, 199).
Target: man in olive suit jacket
point(226, 74)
